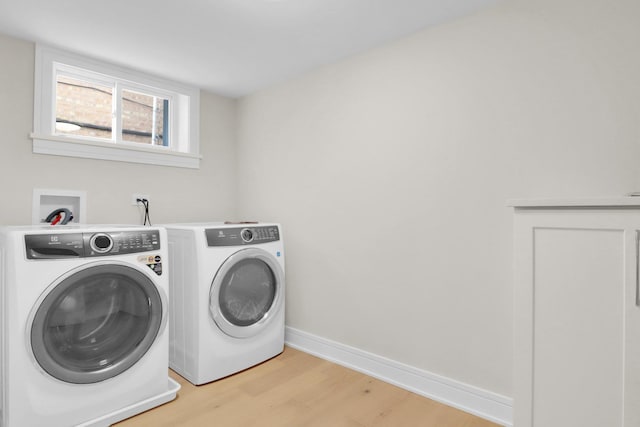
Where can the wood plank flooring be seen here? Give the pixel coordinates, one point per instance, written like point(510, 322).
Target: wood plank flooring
point(296, 389)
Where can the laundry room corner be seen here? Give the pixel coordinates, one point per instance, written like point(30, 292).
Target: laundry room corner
point(384, 172)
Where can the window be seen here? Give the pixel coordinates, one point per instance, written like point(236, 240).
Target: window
point(86, 108)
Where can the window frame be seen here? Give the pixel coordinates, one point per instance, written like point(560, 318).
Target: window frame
point(184, 113)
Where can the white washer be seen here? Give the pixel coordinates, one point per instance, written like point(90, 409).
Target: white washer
point(227, 298)
point(83, 324)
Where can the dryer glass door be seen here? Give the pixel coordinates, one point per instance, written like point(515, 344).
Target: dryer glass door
point(96, 323)
point(246, 292)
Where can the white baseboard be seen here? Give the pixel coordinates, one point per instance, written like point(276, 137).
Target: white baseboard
point(476, 401)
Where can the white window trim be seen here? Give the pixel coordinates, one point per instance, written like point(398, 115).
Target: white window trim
point(45, 141)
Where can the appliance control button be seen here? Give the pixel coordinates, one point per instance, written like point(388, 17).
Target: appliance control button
point(101, 243)
point(247, 235)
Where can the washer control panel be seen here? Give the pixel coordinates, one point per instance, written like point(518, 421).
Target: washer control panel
point(239, 236)
point(81, 245)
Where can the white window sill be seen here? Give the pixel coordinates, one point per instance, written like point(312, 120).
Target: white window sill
point(63, 146)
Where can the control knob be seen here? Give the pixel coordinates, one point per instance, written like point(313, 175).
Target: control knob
point(247, 235)
point(101, 243)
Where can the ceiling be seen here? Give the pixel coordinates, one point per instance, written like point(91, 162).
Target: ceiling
point(231, 47)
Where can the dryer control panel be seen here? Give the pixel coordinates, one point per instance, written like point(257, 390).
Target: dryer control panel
point(242, 235)
point(81, 245)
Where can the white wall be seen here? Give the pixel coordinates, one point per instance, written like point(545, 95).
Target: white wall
point(391, 171)
point(176, 194)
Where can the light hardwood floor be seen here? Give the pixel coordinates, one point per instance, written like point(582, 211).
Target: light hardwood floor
point(296, 389)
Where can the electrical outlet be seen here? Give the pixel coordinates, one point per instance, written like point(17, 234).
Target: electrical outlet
point(135, 197)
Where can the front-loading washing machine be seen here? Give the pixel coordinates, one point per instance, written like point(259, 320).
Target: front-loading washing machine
point(84, 310)
point(227, 288)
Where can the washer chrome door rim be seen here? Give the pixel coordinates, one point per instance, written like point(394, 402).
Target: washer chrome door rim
point(224, 278)
point(95, 322)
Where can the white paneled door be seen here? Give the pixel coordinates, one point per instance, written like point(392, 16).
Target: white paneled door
point(577, 320)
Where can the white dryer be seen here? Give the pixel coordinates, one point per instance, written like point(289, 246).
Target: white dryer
point(83, 324)
point(227, 298)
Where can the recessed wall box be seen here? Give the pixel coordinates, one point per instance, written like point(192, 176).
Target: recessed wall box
point(46, 201)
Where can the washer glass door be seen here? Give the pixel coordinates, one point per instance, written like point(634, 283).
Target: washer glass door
point(246, 292)
point(96, 323)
